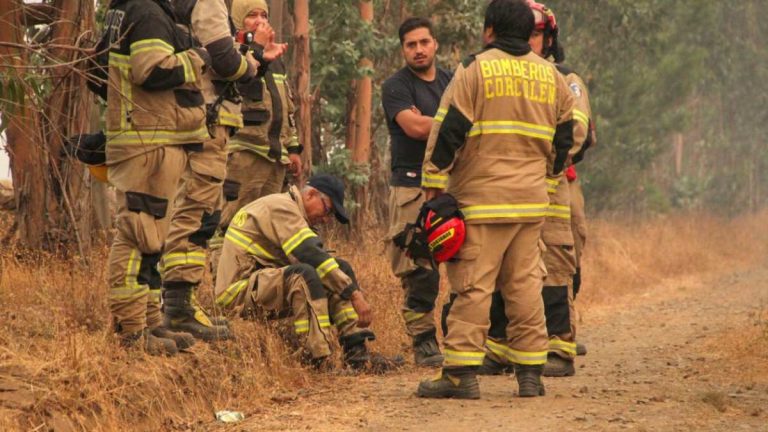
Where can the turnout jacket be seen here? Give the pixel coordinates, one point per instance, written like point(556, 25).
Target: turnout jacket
point(154, 95)
point(269, 129)
point(557, 228)
point(273, 232)
point(207, 24)
point(506, 113)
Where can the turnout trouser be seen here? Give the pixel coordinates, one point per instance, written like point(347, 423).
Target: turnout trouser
point(507, 257)
point(421, 285)
point(249, 177)
point(146, 186)
point(579, 228)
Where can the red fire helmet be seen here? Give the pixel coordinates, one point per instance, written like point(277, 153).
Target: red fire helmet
point(444, 236)
point(544, 16)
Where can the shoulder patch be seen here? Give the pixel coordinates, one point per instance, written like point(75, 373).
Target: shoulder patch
point(575, 89)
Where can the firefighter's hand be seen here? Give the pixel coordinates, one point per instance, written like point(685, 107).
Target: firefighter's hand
point(263, 34)
point(295, 166)
point(274, 50)
point(432, 193)
point(363, 309)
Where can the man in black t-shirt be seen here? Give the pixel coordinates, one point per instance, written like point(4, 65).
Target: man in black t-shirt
point(410, 98)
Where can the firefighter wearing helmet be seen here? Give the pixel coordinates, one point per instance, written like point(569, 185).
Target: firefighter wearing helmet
point(506, 116)
point(560, 257)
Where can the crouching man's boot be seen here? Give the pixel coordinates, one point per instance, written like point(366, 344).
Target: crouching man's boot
point(181, 315)
point(558, 366)
point(215, 320)
point(357, 356)
point(458, 383)
point(529, 380)
point(426, 352)
point(151, 344)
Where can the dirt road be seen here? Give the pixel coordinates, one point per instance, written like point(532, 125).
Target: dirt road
point(661, 361)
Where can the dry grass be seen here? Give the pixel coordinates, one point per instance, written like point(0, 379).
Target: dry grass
point(63, 366)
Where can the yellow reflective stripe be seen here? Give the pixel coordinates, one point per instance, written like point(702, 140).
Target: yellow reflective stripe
point(324, 320)
point(440, 114)
point(411, 316)
point(301, 326)
point(154, 295)
point(326, 267)
point(504, 211)
point(157, 137)
point(229, 119)
point(559, 211)
point(496, 348)
point(183, 258)
point(581, 117)
point(230, 294)
point(216, 241)
point(127, 293)
point(512, 127)
point(119, 60)
point(297, 239)
point(561, 345)
point(189, 72)
point(437, 181)
point(279, 78)
point(240, 70)
point(345, 315)
point(151, 45)
point(552, 185)
point(463, 358)
point(236, 144)
point(250, 246)
point(132, 268)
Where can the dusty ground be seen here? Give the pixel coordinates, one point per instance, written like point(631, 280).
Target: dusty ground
point(662, 361)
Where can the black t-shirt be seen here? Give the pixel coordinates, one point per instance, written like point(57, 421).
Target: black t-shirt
point(400, 92)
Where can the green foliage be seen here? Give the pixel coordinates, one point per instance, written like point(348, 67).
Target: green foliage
point(11, 95)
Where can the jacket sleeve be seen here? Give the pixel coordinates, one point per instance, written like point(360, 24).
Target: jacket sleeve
point(452, 123)
point(563, 141)
point(154, 63)
point(582, 114)
point(301, 244)
point(292, 140)
point(210, 24)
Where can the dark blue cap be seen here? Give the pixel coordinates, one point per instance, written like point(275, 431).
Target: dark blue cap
point(334, 188)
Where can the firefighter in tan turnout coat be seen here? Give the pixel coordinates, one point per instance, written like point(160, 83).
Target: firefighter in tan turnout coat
point(559, 257)
point(502, 118)
point(274, 265)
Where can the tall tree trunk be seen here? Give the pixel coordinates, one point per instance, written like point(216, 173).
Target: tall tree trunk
point(361, 151)
point(301, 61)
point(53, 205)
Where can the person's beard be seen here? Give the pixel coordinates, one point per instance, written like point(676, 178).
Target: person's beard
point(417, 68)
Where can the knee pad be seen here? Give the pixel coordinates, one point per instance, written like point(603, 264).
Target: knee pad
point(231, 190)
point(148, 274)
point(208, 224)
point(556, 309)
point(424, 286)
point(144, 203)
point(499, 321)
point(309, 274)
point(444, 315)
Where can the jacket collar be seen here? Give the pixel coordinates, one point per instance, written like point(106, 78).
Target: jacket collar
point(513, 46)
point(295, 193)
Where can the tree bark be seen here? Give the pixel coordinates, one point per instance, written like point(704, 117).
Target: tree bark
point(301, 61)
point(361, 150)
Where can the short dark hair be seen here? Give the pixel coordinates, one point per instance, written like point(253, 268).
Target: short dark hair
point(510, 19)
point(412, 24)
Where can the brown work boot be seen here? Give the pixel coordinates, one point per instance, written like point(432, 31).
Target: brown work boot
point(152, 345)
point(529, 380)
point(426, 351)
point(183, 340)
point(558, 367)
point(182, 316)
point(492, 367)
point(451, 383)
point(581, 349)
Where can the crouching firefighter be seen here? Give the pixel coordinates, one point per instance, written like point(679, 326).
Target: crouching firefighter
point(196, 214)
point(274, 265)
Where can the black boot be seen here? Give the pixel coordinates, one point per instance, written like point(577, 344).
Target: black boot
point(529, 380)
point(181, 315)
point(458, 383)
point(426, 352)
point(558, 367)
point(357, 356)
point(492, 367)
